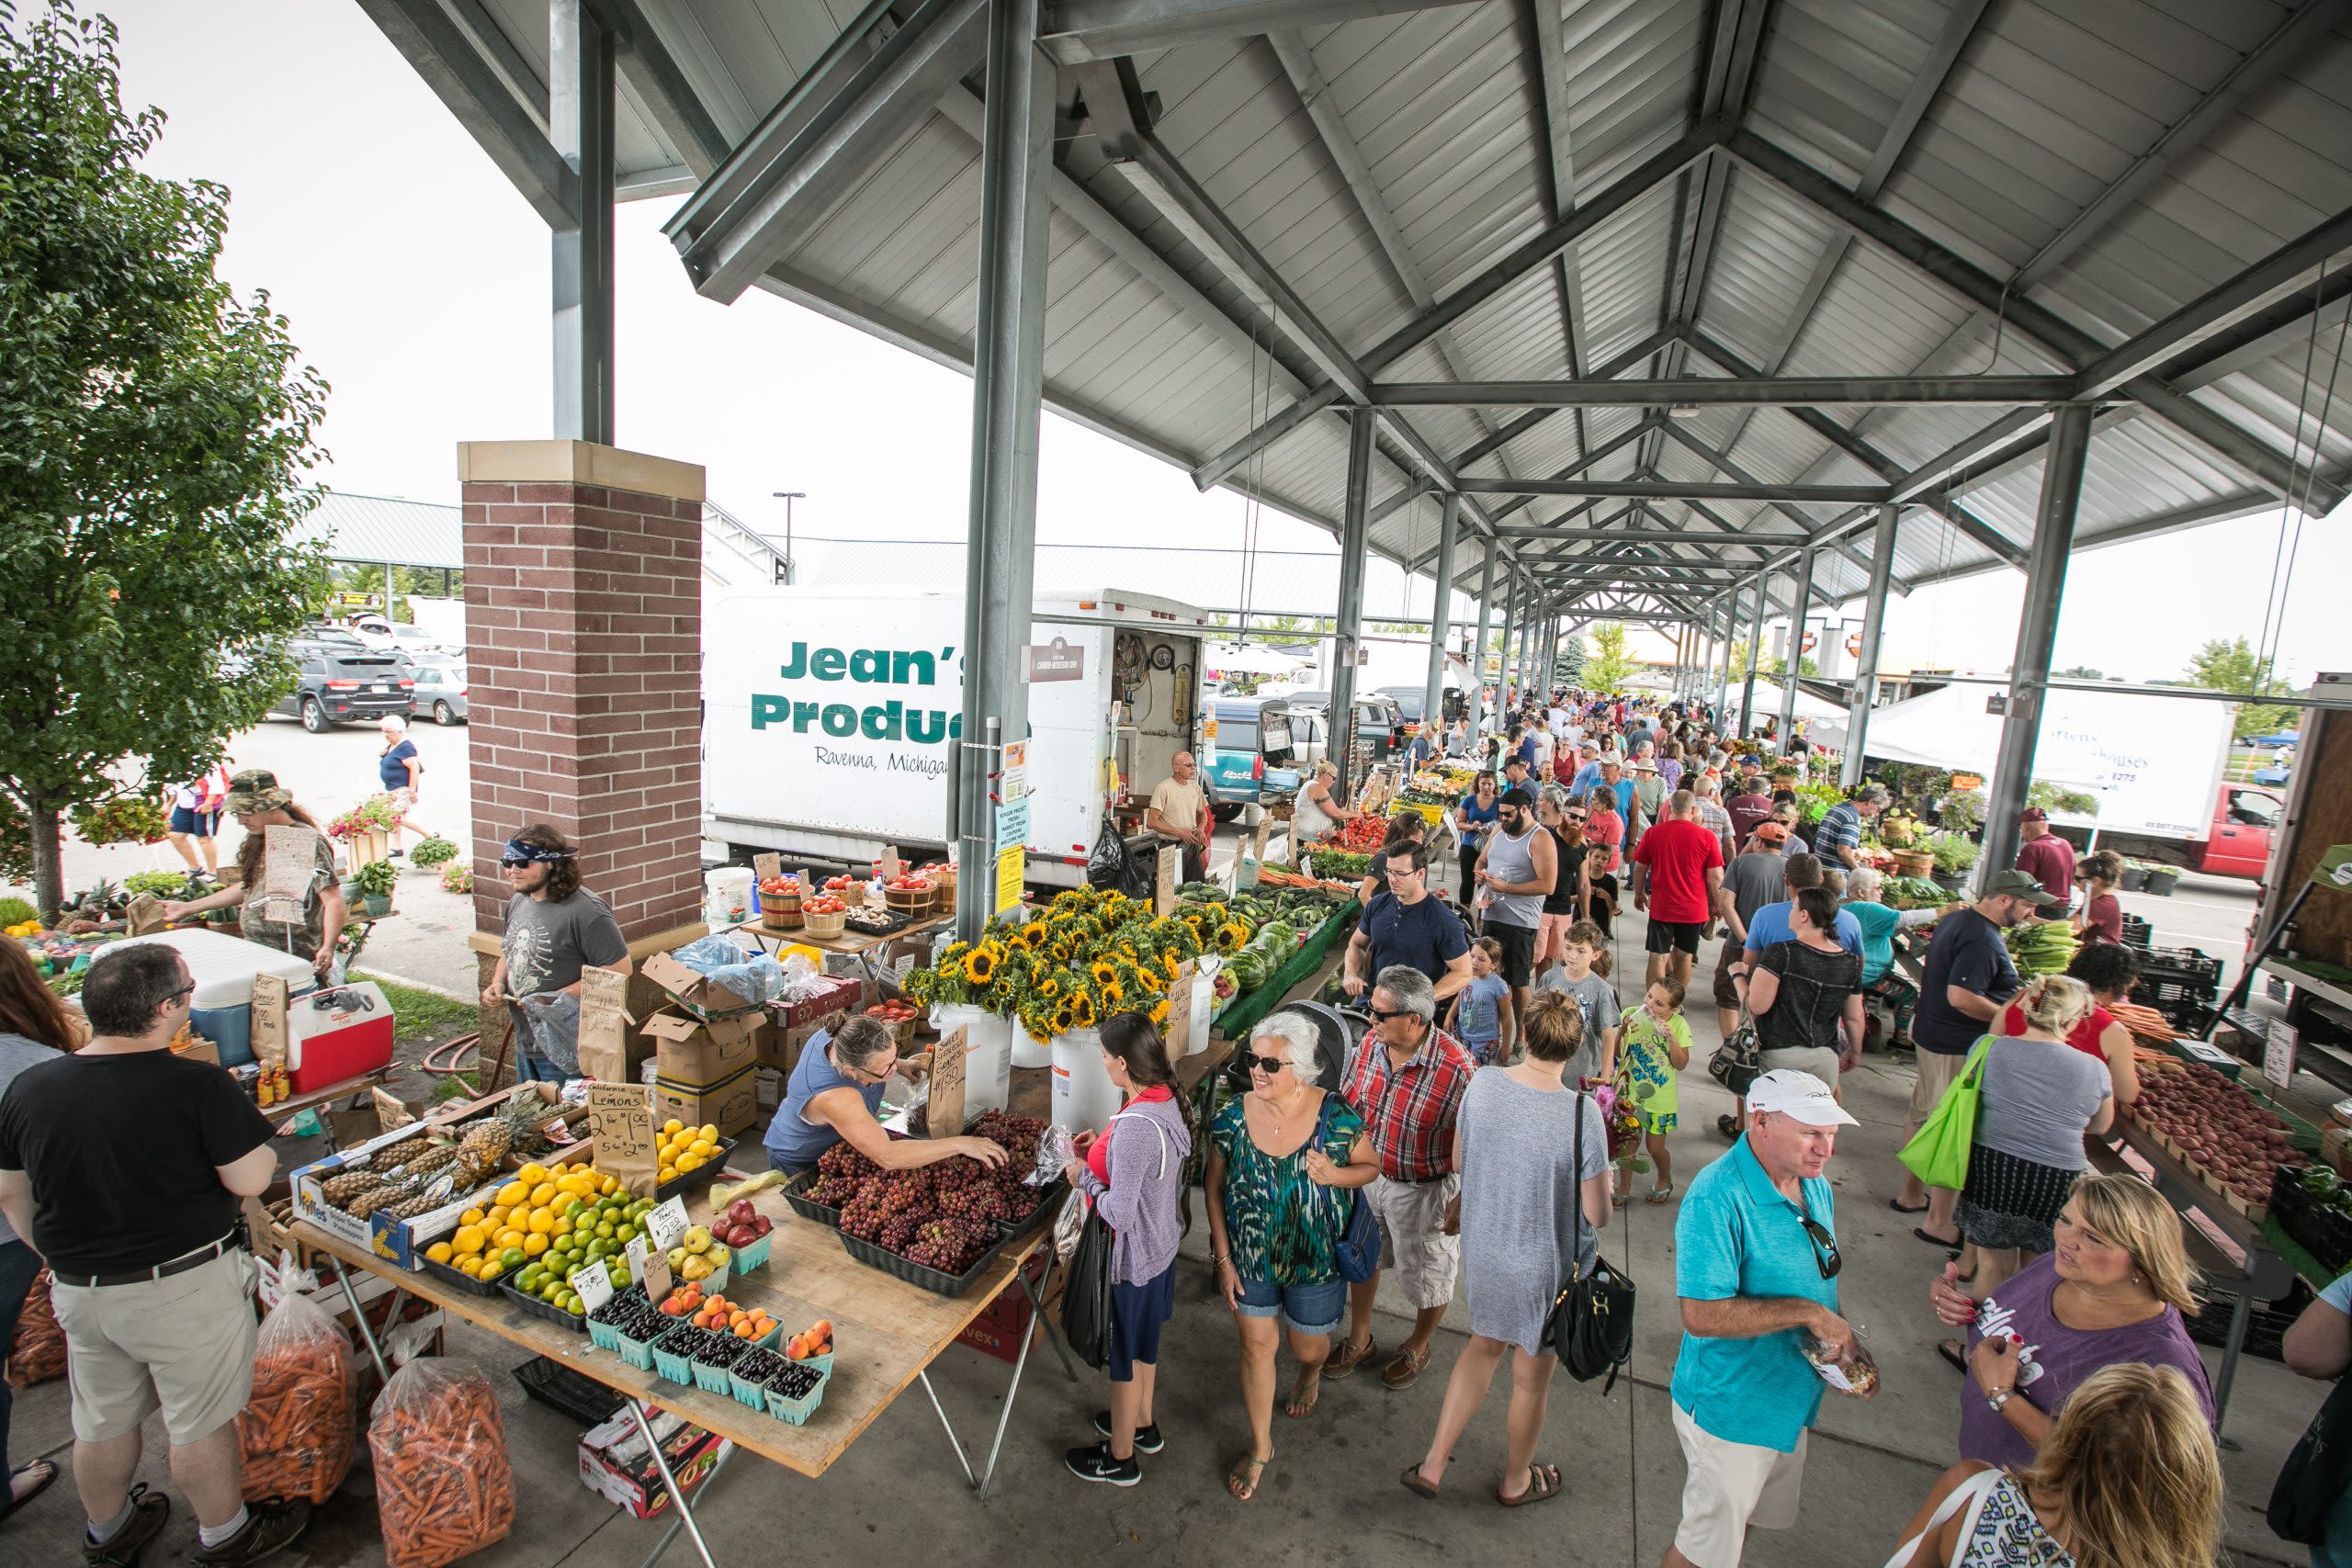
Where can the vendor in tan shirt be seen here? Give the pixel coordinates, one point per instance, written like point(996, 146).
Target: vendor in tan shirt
point(1180, 813)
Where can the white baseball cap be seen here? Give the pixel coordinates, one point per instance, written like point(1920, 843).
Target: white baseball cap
point(1787, 1092)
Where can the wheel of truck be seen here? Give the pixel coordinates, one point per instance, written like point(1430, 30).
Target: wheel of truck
point(1225, 810)
point(314, 717)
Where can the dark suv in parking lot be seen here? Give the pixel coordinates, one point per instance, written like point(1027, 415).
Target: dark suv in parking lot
point(338, 679)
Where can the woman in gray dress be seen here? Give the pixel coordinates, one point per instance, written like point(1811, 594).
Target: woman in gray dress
point(1525, 1211)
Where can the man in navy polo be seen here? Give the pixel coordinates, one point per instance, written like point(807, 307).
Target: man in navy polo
point(1756, 1266)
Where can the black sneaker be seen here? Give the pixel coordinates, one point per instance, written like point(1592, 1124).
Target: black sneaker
point(393, 854)
point(148, 1512)
point(268, 1527)
point(1148, 1439)
point(1096, 1464)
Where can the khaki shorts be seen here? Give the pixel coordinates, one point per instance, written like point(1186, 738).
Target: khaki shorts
point(1936, 1072)
point(1412, 1236)
point(1726, 993)
point(1818, 1060)
point(402, 798)
point(182, 1344)
point(1728, 1487)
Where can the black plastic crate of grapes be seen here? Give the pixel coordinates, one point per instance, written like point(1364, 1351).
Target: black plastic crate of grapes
point(795, 1193)
point(1049, 1200)
point(915, 1273)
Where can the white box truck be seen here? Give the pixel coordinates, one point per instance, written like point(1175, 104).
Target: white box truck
point(828, 714)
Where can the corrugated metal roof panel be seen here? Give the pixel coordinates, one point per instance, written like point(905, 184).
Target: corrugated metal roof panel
point(381, 528)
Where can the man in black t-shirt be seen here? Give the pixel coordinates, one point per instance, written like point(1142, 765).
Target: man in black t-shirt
point(126, 1167)
point(1406, 924)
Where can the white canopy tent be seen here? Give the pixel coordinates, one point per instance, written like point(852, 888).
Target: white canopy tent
point(1251, 658)
point(1825, 722)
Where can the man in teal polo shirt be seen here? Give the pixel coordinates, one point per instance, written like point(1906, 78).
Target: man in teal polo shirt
point(1756, 1266)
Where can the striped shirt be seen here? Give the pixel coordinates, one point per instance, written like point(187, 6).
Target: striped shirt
point(1840, 830)
point(1410, 1110)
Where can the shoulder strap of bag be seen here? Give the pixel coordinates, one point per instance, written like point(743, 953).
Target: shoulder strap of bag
point(1154, 1124)
point(1575, 1201)
point(1971, 1494)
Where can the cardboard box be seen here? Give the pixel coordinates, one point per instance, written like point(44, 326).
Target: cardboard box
point(786, 1044)
point(841, 993)
point(769, 1083)
point(401, 1241)
point(730, 1105)
point(1002, 1324)
point(690, 1050)
point(698, 994)
point(615, 1464)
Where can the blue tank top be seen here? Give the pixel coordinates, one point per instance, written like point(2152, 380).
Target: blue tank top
point(793, 1141)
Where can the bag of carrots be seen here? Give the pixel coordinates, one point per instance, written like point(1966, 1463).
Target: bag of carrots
point(299, 1429)
point(37, 1352)
point(444, 1487)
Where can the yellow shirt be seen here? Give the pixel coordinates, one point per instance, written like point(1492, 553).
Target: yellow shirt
point(1179, 805)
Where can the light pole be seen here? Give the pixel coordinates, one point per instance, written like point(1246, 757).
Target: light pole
point(785, 573)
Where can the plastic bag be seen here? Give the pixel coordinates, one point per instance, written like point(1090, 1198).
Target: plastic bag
point(1086, 1299)
point(549, 1022)
point(755, 977)
point(1055, 1148)
point(1111, 865)
point(299, 1427)
point(444, 1487)
point(1069, 1224)
point(38, 1351)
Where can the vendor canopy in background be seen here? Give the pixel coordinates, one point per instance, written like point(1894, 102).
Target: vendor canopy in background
point(2152, 761)
point(1243, 659)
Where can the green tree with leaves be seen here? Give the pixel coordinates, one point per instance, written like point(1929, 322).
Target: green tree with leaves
point(153, 431)
point(1771, 664)
point(2078, 673)
point(1610, 665)
point(2232, 665)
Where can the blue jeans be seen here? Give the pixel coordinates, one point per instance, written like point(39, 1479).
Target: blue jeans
point(1310, 1309)
point(18, 1264)
point(530, 1068)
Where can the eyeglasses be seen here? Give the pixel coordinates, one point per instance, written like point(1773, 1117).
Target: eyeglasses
point(187, 990)
point(1269, 1065)
point(1405, 871)
point(513, 864)
point(1824, 1247)
point(1380, 1017)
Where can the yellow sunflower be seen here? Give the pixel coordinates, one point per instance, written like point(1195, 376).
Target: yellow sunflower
point(1049, 986)
point(1102, 971)
point(1112, 996)
point(1168, 962)
point(979, 964)
point(1081, 1011)
point(1160, 1012)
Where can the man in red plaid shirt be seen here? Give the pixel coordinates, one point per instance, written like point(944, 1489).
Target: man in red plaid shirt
point(1406, 1079)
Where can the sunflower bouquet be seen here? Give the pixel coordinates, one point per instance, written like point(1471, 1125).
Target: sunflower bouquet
point(1086, 955)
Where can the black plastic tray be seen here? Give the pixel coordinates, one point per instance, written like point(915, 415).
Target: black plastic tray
point(1053, 1194)
point(539, 1308)
point(456, 1279)
point(558, 1387)
point(915, 1273)
point(808, 1208)
point(701, 1175)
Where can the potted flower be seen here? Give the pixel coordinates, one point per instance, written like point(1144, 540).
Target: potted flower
point(1955, 856)
point(2135, 876)
point(457, 877)
point(2162, 879)
point(375, 882)
point(433, 851)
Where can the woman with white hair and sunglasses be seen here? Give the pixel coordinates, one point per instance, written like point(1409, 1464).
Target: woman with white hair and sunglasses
point(1283, 1160)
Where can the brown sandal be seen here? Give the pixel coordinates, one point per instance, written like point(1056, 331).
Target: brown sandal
point(1415, 1481)
point(1542, 1486)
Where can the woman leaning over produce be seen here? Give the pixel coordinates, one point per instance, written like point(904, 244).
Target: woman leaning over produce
point(2128, 1478)
point(1283, 1161)
point(2038, 1098)
point(2113, 1289)
point(2108, 971)
point(35, 1024)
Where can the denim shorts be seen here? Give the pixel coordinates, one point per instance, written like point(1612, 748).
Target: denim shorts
point(1308, 1309)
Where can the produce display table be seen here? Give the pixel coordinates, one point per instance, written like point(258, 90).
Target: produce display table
point(2235, 1251)
point(850, 944)
point(887, 1333)
point(1242, 1013)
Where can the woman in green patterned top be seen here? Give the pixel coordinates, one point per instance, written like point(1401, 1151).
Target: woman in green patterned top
point(1284, 1162)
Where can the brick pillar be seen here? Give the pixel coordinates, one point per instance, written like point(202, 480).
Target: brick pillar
point(583, 626)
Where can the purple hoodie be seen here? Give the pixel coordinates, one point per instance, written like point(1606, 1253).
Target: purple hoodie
point(1148, 1147)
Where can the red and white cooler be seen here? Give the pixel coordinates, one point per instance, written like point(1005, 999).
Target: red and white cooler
point(336, 1034)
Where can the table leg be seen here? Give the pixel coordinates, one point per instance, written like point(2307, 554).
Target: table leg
point(1037, 1309)
point(953, 1441)
point(679, 1523)
point(677, 1494)
point(359, 1313)
point(1005, 1415)
point(2241, 1313)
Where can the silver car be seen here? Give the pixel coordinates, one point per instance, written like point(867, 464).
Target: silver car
point(440, 688)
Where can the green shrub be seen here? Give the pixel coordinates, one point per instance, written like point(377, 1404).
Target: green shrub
point(433, 851)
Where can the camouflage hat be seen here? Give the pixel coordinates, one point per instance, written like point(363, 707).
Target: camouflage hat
point(255, 789)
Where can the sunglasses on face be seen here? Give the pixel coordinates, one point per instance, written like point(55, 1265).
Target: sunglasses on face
point(1380, 1017)
point(1824, 1247)
point(1269, 1065)
point(514, 864)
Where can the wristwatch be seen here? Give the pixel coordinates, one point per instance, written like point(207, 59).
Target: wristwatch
point(2001, 1396)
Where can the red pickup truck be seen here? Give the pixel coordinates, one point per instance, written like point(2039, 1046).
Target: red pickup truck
point(2236, 842)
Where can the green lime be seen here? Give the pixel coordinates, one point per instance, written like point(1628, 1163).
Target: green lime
point(605, 1229)
point(624, 1233)
point(530, 1279)
point(512, 1257)
point(571, 1303)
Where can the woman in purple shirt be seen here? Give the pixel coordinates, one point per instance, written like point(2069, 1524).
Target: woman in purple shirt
point(2112, 1290)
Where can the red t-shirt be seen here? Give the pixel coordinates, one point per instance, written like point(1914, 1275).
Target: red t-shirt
point(1679, 853)
point(1605, 829)
point(1098, 1153)
point(2049, 860)
point(2085, 1037)
point(2104, 918)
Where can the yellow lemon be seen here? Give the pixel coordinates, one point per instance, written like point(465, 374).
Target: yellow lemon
point(534, 1245)
point(562, 1226)
point(702, 1148)
point(672, 1125)
point(491, 1269)
point(707, 1134)
point(508, 1238)
point(687, 1162)
point(542, 1220)
point(543, 1194)
point(496, 1218)
point(440, 1252)
point(533, 1173)
point(470, 1267)
point(514, 1192)
point(611, 1185)
point(667, 1173)
point(468, 1240)
point(470, 1217)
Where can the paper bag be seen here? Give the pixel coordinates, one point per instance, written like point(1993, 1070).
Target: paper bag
point(604, 1025)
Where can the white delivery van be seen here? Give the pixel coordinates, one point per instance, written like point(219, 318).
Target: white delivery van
point(828, 714)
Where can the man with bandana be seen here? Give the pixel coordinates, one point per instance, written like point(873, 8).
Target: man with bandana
point(555, 928)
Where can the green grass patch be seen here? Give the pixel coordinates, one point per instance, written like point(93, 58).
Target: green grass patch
point(421, 1016)
point(454, 1085)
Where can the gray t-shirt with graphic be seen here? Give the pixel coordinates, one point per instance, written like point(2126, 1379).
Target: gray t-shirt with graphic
point(547, 944)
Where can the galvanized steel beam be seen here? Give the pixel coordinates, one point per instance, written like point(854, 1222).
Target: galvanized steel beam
point(1656, 536)
point(1347, 631)
point(1550, 80)
point(670, 100)
point(580, 118)
point(1793, 660)
point(1755, 648)
point(1699, 392)
point(1865, 692)
point(1079, 31)
point(1478, 643)
point(1449, 518)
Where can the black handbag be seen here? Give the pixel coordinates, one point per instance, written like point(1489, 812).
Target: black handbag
point(1591, 1324)
point(1086, 1299)
point(2317, 1471)
point(1738, 1062)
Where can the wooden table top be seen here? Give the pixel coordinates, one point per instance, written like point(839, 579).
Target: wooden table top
point(849, 943)
point(885, 1331)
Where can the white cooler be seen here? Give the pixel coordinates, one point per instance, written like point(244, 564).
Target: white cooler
point(223, 968)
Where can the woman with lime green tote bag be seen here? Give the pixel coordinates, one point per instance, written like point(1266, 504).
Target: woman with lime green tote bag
point(1937, 1153)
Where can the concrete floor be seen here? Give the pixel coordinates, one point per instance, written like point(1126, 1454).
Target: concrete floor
point(1332, 1492)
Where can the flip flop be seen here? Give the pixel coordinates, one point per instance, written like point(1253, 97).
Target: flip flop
point(1617, 1200)
point(49, 1476)
point(1240, 1490)
point(1542, 1486)
point(1955, 1352)
point(1298, 1409)
point(1415, 1481)
point(1953, 1246)
point(1899, 1207)
point(1658, 1195)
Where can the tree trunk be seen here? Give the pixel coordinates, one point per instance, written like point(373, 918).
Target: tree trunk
point(49, 856)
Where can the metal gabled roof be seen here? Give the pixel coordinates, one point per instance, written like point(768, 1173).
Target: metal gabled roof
point(383, 530)
point(2093, 168)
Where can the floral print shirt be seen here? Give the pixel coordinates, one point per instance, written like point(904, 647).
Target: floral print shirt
point(1284, 1228)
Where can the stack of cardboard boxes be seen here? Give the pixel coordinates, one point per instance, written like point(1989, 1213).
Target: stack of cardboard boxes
point(721, 1061)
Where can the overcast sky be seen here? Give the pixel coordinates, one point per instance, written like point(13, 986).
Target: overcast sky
point(417, 281)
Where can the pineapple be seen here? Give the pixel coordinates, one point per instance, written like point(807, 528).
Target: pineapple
point(485, 1144)
point(350, 1184)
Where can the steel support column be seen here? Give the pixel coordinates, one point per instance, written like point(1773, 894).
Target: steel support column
point(2045, 589)
point(580, 123)
point(1502, 655)
point(1008, 388)
point(1865, 698)
point(1478, 641)
point(1449, 521)
point(1796, 660)
point(1355, 528)
point(1755, 652)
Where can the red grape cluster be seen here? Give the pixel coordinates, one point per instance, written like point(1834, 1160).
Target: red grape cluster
point(943, 1215)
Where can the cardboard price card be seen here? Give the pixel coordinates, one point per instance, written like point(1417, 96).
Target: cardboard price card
point(666, 1223)
point(1171, 871)
point(269, 1021)
point(1180, 1009)
point(289, 871)
point(621, 1119)
point(943, 1110)
point(649, 1268)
